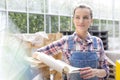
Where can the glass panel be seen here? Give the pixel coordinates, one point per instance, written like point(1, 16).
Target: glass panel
point(95, 8)
point(36, 23)
point(36, 6)
point(46, 5)
point(19, 5)
point(52, 6)
point(18, 22)
point(95, 25)
point(2, 21)
point(47, 24)
point(103, 25)
point(117, 9)
point(54, 24)
point(106, 10)
point(110, 29)
point(48, 29)
point(73, 26)
point(96, 22)
point(65, 23)
point(2, 4)
point(65, 7)
point(59, 6)
point(116, 29)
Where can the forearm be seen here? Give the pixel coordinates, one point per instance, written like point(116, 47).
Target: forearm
point(52, 48)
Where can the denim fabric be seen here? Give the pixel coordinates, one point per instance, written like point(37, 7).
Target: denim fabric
point(82, 59)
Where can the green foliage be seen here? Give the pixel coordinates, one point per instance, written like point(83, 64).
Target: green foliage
point(54, 24)
point(65, 23)
point(20, 20)
point(36, 22)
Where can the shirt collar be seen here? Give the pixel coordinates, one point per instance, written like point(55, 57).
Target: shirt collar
point(88, 38)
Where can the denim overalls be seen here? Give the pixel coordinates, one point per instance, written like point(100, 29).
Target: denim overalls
point(82, 59)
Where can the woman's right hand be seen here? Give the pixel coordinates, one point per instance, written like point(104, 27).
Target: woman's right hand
point(88, 72)
point(35, 55)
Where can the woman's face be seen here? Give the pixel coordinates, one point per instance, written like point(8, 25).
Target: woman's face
point(82, 19)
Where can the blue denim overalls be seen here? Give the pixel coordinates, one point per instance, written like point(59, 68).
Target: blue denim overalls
point(82, 59)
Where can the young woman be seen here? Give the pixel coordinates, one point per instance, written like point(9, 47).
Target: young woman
point(81, 49)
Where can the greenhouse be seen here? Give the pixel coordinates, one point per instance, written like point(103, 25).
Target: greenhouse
point(27, 25)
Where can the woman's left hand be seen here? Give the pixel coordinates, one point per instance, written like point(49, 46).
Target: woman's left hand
point(88, 72)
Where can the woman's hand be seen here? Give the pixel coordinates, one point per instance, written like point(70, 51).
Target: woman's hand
point(88, 72)
point(35, 55)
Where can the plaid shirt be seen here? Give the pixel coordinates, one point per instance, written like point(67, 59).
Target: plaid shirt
point(82, 45)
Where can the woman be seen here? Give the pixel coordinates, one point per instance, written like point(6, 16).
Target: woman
point(81, 49)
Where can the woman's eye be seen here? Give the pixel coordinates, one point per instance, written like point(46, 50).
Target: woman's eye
point(77, 17)
point(86, 17)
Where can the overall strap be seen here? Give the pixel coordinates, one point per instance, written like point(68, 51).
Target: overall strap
point(94, 42)
point(71, 43)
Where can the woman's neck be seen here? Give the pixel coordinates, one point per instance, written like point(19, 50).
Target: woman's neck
point(82, 34)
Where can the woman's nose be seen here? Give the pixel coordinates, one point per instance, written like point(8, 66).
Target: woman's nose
point(81, 20)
